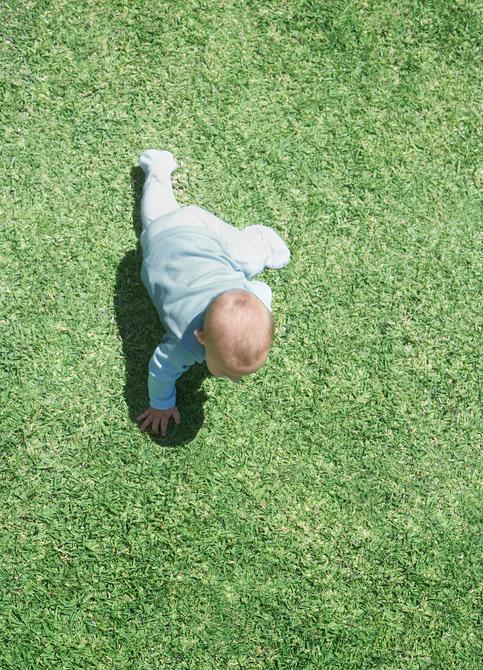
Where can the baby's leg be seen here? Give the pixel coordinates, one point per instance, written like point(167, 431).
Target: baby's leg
point(158, 197)
point(253, 248)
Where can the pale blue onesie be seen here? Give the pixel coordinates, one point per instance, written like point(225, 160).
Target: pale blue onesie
point(189, 257)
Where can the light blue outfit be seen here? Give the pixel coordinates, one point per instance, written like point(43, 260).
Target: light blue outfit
point(189, 257)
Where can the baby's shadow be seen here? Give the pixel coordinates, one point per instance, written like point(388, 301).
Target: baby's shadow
point(141, 332)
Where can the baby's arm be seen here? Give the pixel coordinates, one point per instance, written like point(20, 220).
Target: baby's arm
point(169, 361)
point(262, 291)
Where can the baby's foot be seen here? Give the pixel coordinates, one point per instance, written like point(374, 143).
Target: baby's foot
point(154, 160)
point(278, 253)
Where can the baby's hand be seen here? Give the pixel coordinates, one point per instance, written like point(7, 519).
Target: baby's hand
point(157, 418)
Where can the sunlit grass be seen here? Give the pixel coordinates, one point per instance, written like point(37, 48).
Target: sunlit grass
point(322, 514)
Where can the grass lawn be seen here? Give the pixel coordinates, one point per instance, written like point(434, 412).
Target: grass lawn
point(324, 514)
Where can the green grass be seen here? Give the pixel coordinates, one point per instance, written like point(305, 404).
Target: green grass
point(324, 513)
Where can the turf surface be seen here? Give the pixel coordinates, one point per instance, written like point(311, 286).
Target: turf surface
point(324, 513)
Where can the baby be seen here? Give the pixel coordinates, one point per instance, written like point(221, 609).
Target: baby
point(196, 269)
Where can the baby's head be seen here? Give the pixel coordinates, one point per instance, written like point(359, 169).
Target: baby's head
point(237, 334)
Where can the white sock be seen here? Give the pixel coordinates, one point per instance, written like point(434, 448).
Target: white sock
point(278, 254)
point(153, 160)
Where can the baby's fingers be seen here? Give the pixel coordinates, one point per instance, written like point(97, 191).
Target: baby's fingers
point(143, 415)
point(155, 426)
point(146, 422)
point(164, 425)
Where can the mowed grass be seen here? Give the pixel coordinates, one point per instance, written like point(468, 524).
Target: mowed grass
point(325, 512)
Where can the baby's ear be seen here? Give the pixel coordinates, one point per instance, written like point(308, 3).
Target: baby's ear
point(199, 336)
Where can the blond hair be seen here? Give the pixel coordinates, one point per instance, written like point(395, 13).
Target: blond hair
point(241, 328)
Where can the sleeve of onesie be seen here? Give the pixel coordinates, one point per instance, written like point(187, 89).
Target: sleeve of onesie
point(169, 361)
point(262, 291)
